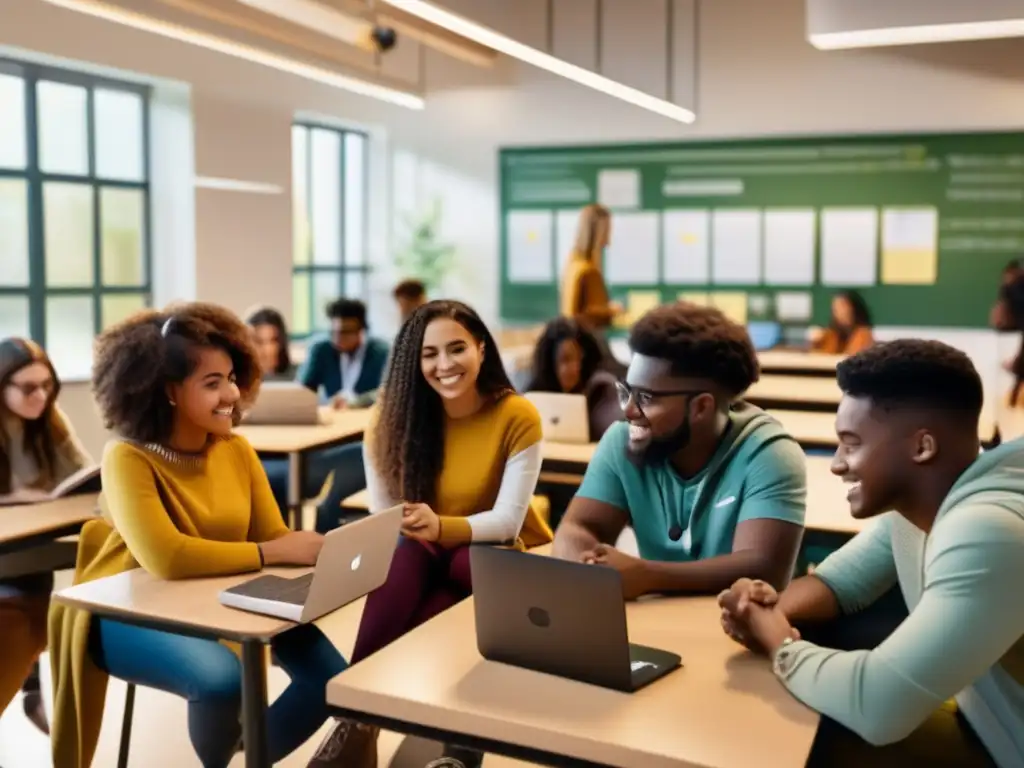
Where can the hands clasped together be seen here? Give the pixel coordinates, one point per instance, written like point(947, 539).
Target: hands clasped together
point(751, 616)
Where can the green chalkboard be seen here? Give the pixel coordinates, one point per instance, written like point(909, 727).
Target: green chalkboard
point(969, 186)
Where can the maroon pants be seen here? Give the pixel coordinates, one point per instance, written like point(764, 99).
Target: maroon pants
point(423, 581)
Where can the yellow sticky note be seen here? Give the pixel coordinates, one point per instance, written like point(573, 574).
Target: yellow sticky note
point(694, 297)
point(688, 238)
point(639, 303)
point(910, 267)
point(531, 236)
point(733, 305)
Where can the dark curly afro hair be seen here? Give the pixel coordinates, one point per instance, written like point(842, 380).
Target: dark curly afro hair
point(701, 342)
point(136, 359)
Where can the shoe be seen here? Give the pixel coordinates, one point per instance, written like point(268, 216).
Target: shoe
point(457, 757)
point(35, 711)
point(348, 745)
point(446, 762)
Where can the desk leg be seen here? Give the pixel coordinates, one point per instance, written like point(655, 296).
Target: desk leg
point(254, 705)
point(296, 472)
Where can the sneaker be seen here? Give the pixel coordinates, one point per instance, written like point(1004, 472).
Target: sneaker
point(348, 745)
point(35, 711)
point(446, 762)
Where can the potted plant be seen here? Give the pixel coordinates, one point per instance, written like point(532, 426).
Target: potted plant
point(422, 255)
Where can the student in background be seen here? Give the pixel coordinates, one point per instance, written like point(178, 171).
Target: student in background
point(183, 497)
point(946, 687)
point(347, 368)
point(454, 444)
point(1008, 315)
point(38, 450)
point(715, 490)
point(270, 337)
point(584, 295)
point(410, 295)
point(567, 360)
point(850, 328)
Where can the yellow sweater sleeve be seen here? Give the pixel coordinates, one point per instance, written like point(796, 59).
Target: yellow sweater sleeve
point(138, 514)
point(266, 523)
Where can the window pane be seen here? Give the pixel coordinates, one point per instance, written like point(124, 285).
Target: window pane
point(12, 122)
point(122, 233)
point(67, 233)
point(300, 198)
point(63, 139)
point(13, 231)
point(13, 316)
point(300, 304)
point(118, 125)
point(69, 333)
point(120, 306)
point(355, 285)
point(326, 149)
point(355, 204)
point(326, 288)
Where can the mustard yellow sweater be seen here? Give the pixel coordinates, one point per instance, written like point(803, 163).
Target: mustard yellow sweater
point(177, 519)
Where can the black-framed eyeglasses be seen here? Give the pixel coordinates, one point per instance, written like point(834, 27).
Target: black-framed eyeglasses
point(29, 388)
point(645, 397)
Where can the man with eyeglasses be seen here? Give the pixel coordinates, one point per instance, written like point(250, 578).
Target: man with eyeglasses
point(714, 488)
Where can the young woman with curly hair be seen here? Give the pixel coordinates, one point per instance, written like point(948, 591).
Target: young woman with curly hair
point(183, 497)
point(38, 451)
point(462, 451)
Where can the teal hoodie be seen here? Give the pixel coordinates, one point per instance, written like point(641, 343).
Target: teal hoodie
point(757, 472)
point(964, 637)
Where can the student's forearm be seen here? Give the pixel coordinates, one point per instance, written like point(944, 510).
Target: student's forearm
point(572, 540)
point(808, 600)
point(712, 575)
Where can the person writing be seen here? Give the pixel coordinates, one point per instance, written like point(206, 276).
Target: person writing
point(946, 687)
point(38, 451)
point(183, 497)
point(715, 489)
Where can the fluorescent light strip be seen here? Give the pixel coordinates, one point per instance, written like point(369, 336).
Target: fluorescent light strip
point(237, 185)
point(486, 36)
point(924, 33)
point(241, 51)
point(326, 21)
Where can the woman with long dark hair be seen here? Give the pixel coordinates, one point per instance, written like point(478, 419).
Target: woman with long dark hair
point(270, 338)
point(850, 329)
point(454, 444)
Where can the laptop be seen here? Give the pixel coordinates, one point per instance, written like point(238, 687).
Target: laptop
point(564, 417)
point(284, 403)
point(559, 617)
point(354, 561)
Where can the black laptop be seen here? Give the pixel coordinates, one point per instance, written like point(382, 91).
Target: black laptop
point(559, 617)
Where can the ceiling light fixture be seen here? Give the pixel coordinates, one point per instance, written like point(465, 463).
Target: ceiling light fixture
point(924, 33)
point(434, 14)
point(241, 51)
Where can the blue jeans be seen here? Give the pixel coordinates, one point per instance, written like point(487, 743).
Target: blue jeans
point(209, 676)
point(346, 461)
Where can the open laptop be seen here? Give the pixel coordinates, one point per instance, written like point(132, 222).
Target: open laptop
point(564, 417)
point(284, 403)
point(354, 561)
point(559, 617)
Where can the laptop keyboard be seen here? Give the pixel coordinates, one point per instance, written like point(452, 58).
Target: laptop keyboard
point(281, 590)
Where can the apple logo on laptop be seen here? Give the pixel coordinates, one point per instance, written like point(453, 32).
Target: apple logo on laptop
point(356, 562)
point(539, 617)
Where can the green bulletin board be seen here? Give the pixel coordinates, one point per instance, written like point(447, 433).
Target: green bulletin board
point(920, 225)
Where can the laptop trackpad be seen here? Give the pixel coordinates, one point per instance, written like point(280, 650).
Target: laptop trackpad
point(293, 591)
point(648, 664)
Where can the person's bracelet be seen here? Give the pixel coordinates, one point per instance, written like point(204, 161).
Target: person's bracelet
point(780, 657)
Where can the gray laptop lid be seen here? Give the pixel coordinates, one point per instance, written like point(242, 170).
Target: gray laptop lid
point(284, 403)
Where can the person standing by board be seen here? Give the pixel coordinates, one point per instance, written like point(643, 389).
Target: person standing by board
point(584, 295)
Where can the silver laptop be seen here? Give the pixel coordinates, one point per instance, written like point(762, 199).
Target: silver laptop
point(564, 417)
point(353, 562)
point(284, 403)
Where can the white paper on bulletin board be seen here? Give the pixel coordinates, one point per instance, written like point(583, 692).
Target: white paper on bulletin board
point(685, 238)
point(566, 223)
point(736, 246)
point(849, 246)
point(529, 241)
point(619, 188)
point(632, 256)
point(789, 244)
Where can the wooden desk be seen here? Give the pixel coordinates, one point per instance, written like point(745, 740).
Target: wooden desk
point(817, 429)
point(190, 607)
point(433, 682)
point(296, 441)
point(796, 393)
point(26, 525)
point(796, 363)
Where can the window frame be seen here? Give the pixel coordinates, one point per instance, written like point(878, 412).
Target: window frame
point(342, 269)
point(37, 291)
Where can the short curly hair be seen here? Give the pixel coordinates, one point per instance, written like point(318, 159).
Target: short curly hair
point(136, 359)
point(701, 342)
point(913, 373)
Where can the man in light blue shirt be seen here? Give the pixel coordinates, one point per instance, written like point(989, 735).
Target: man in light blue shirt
point(714, 488)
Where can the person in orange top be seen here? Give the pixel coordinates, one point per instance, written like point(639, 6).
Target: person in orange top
point(183, 497)
point(850, 329)
point(455, 444)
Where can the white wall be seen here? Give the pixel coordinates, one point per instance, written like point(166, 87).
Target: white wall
point(748, 71)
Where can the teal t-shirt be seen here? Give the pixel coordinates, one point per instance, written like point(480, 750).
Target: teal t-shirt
point(758, 472)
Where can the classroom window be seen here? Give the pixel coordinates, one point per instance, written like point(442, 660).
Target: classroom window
point(329, 183)
point(74, 208)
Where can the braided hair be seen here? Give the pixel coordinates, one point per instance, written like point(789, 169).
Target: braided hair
point(407, 444)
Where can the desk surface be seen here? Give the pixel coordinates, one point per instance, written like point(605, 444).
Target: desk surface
point(787, 359)
point(435, 677)
point(187, 606)
point(340, 426)
point(796, 389)
point(22, 521)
